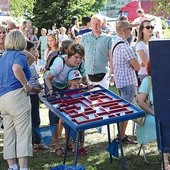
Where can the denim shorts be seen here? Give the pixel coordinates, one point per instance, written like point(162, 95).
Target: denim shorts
point(128, 92)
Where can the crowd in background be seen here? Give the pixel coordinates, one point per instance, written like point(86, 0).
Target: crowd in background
point(92, 53)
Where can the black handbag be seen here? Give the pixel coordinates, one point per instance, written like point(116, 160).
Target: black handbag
point(96, 77)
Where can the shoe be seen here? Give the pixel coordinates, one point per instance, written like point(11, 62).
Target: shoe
point(59, 152)
point(41, 146)
point(82, 152)
point(126, 140)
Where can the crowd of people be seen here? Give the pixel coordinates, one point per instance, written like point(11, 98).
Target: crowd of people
point(89, 54)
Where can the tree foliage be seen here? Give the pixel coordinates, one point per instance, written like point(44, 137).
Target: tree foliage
point(162, 8)
point(47, 12)
point(20, 8)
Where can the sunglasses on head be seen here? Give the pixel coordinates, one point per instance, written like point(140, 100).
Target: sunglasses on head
point(148, 27)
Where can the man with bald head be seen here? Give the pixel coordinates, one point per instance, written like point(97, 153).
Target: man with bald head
point(124, 66)
point(97, 52)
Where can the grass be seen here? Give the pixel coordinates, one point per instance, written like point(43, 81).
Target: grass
point(97, 158)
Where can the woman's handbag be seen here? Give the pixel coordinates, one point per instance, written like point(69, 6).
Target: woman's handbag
point(139, 120)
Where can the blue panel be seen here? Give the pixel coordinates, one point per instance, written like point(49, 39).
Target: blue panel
point(160, 66)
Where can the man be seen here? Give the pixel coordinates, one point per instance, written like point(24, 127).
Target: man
point(124, 66)
point(85, 26)
point(97, 52)
point(11, 25)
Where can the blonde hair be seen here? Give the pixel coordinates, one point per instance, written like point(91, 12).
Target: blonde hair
point(15, 40)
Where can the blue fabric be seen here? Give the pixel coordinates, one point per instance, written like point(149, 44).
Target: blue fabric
point(68, 167)
point(113, 148)
point(8, 81)
point(46, 133)
point(146, 132)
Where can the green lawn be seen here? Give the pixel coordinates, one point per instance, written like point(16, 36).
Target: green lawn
point(97, 158)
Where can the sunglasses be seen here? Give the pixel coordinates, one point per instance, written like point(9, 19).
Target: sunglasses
point(148, 27)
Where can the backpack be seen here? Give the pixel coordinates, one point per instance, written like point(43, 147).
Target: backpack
point(120, 42)
point(52, 56)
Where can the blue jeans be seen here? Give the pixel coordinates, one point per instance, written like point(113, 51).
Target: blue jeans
point(128, 92)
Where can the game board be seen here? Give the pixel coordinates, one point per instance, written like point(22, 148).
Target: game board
point(92, 109)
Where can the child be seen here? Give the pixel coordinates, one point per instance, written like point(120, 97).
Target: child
point(75, 82)
point(42, 42)
point(35, 100)
point(62, 36)
point(64, 48)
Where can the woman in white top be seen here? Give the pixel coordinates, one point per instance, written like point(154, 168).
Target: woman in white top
point(142, 50)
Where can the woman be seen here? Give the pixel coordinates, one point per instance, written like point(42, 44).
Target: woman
point(74, 29)
point(15, 104)
point(57, 80)
point(52, 45)
point(3, 32)
point(145, 101)
point(145, 33)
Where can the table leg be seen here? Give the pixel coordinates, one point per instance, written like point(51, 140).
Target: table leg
point(67, 141)
point(109, 139)
point(161, 146)
point(77, 148)
point(121, 148)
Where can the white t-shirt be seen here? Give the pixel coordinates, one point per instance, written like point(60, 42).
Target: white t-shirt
point(142, 46)
point(62, 37)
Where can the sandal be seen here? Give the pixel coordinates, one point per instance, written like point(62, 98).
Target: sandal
point(59, 152)
point(70, 147)
point(126, 140)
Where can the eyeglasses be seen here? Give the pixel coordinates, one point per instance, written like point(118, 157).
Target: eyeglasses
point(130, 28)
point(148, 27)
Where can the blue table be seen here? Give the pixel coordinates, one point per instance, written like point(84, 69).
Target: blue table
point(90, 109)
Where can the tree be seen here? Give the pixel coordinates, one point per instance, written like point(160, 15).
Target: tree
point(161, 8)
point(20, 8)
point(47, 12)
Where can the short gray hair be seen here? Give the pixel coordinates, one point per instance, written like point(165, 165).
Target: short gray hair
point(15, 40)
point(98, 16)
